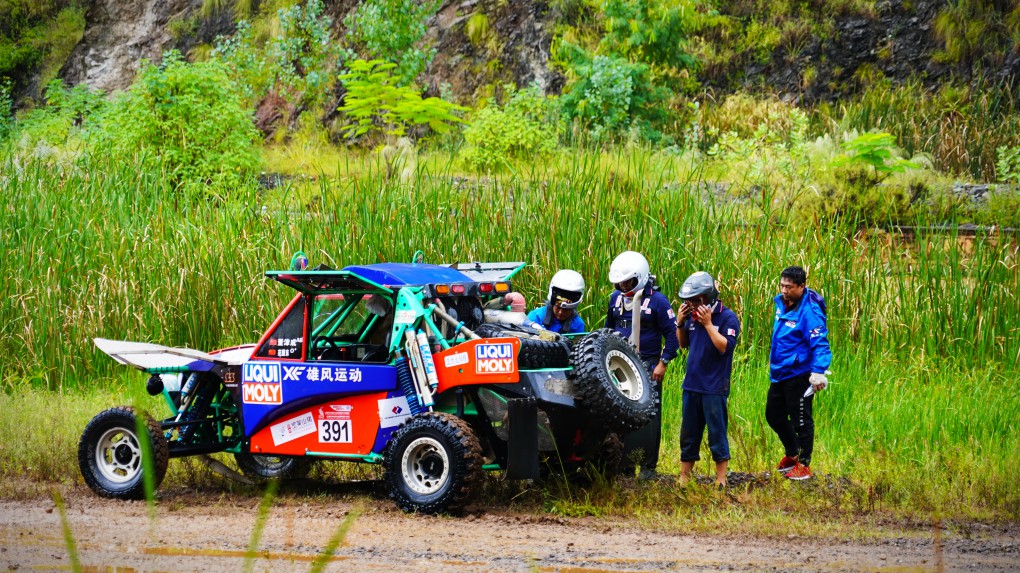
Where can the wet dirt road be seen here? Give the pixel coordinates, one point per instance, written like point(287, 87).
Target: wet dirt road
point(192, 532)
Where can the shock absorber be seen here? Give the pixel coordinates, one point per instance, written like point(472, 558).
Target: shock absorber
point(406, 383)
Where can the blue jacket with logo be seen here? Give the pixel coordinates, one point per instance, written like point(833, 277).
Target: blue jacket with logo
point(800, 338)
point(658, 322)
point(574, 325)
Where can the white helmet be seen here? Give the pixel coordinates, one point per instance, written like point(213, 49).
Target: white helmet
point(567, 288)
point(629, 265)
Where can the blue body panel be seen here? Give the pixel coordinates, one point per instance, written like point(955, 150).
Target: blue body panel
point(271, 389)
point(404, 274)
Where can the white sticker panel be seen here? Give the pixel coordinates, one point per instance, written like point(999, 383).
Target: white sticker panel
point(457, 359)
point(404, 317)
point(293, 428)
point(335, 432)
point(393, 411)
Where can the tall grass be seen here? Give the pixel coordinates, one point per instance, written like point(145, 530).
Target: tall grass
point(925, 331)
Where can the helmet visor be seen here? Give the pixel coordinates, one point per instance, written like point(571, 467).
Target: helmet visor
point(627, 286)
point(565, 298)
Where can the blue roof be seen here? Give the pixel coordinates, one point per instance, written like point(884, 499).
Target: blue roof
point(408, 274)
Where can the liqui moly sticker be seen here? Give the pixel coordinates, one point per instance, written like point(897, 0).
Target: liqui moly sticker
point(261, 372)
point(293, 428)
point(494, 358)
point(455, 360)
point(252, 393)
point(393, 411)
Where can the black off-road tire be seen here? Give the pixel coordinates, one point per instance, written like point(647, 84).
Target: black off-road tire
point(264, 467)
point(611, 381)
point(432, 463)
point(110, 453)
point(535, 353)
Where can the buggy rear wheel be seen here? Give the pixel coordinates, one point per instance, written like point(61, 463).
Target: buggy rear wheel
point(112, 453)
point(432, 463)
point(264, 467)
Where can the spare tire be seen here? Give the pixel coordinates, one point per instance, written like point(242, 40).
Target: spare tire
point(535, 353)
point(611, 381)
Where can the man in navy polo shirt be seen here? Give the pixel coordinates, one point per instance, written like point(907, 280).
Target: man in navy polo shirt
point(709, 330)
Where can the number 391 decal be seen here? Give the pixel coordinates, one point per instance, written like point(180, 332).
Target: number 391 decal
point(335, 431)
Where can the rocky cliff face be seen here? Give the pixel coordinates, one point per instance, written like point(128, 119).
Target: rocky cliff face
point(118, 35)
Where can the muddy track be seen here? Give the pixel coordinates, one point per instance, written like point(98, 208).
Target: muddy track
point(197, 532)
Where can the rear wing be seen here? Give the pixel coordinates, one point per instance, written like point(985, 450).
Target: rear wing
point(158, 358)
point(324, 282)
point(489, 272)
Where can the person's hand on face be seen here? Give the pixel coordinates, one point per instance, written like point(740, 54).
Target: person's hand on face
point(703, 315)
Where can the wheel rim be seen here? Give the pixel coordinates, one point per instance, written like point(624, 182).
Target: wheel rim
point(425, 466)
point(270, 462)
point(625, 375)
point(118, 455)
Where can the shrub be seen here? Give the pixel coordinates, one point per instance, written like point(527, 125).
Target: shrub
point(185, 120)
point(1007, 166)
point(300, 62)
point(377, 105)
point(61, 122)
point(522, 129)
point(391, 30)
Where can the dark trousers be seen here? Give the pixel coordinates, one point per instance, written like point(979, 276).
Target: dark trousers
point(788, 412)
point(643, 444)
point(701, 410)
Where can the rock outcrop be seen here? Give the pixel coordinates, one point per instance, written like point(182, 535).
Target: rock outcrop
point(118, 35)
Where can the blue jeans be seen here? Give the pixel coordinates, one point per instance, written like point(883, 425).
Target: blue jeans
point(700, 410)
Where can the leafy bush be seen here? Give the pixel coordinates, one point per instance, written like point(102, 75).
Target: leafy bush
point(1007, 167)
point(185, 120)
point(377, 105)
point(37, 34)
point(391, 30)
point(877, 150)
point(522, 129)
point(68, 115)
point(300, 62)
point(654, 32)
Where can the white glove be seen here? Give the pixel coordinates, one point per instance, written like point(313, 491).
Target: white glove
point(818, 381)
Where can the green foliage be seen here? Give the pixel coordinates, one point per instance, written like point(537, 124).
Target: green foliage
point(37, 35)
point(610, 95)
point(976, 33)
point(6, 109)
point(184, 120)
point(877, 150)
point(392, 30)
point(654, 32)
point(67, 116)
point(1007, 166)
point(376, 103)
point(524, 129)
point(624, 86)
point(300, 62)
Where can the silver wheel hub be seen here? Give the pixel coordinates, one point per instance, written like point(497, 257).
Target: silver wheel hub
point(118, 455)
point(425, 466)
point(625, 375)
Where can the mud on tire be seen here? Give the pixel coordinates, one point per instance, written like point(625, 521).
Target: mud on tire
point(611, 381)
point(433, 462)
point(535, 353)
point(110, 453)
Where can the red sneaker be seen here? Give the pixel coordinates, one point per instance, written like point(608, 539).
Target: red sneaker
point(799, 472)
point(786, 464)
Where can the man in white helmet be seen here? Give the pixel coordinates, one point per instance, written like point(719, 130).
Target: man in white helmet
point(639, 312)
point(559, 314)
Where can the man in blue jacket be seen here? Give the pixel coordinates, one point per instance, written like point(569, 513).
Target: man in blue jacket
point(630, 275)
point(799, 359)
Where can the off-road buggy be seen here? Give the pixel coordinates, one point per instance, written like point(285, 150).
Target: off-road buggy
point(393, 364)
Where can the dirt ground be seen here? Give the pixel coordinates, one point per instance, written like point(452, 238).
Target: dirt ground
point(193, 531)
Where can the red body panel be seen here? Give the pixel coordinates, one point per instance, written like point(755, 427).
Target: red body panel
point(345, 426)
point(485, 361)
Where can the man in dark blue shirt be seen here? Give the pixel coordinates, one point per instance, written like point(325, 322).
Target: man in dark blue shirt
point(709, 330)
point(637, 300)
